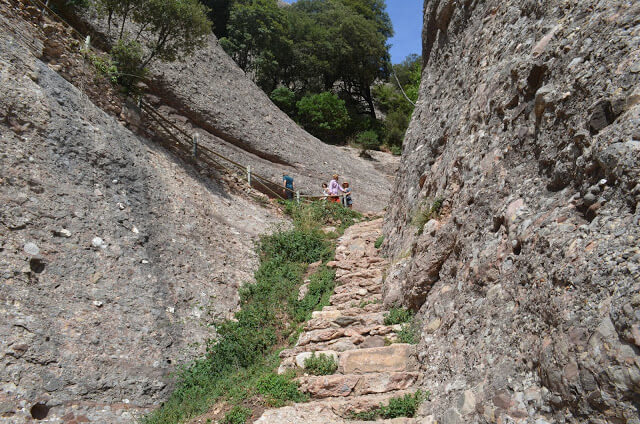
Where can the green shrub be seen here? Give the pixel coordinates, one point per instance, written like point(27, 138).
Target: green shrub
point(320, 290)
point(321, 364)
point(280, 389)
point(368, 140)
point(323, 115)
point(408, 334)
point(128, 56)
point(403, 406)
point(312, 216)
point(396, 150)
point(237, 415)
point(379, 242)
point(285, 99)
point(397, 316)
point(104, 66)
point(295, 246)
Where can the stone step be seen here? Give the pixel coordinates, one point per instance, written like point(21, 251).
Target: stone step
point(337, 319)
point(394, 358)
point(345, 407)
point(325, 335)
point(316, 413)
point(342, 385)
point(357, 284)
point(354, 299)
point(347, 309)
point(343, 344)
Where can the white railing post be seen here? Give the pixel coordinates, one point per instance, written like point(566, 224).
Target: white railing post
point(249, 174)
point(196, 136)
point(298, 196)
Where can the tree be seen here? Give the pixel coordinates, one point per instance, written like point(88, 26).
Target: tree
point(258, 39)
point(323, 115)
point(219, 11)
point(170, 28)
point(285, 99)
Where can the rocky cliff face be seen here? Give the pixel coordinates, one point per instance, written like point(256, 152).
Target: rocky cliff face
point(113, 253)
point(527, 276)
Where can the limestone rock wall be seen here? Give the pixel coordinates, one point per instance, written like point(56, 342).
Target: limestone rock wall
point(113, 253)
point(527, 277)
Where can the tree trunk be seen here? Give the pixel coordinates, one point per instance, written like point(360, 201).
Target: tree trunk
point(369, 99)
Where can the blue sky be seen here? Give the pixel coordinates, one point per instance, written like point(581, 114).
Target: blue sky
point(406, 16)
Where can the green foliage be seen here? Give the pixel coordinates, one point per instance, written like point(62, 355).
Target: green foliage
point(237, 415)
point(364, 303)
point(408, 334)
point(128, 56)
point(170, 28)
point(368, 140)
point(321, 364)
point(398, 316)
point(285, 99)
point(309, 216)
point(295, 246)
point(104, 66)
point(280, 389)
point(321, 287)
point(379, 242)
point(323, 115)
point(403, 406)
point(426, 213)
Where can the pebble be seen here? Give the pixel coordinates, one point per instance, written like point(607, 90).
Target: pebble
point(97, 303)
point(98, 242)
point(31, 249)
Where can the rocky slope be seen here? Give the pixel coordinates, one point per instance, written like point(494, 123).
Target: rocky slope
point(209, 94)
point(113, 253)
point(527, 277)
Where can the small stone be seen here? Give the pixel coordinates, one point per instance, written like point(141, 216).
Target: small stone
point(97, 242)
point(467, 402)
point(97, 192)
point(120, 206)
point(31, 249)
point(97, 303)
point(433, 325)
point(135, 230)
point(65, 233)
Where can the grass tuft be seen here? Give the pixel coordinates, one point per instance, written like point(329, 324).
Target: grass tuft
point(379, 242)
point(237, 415)
point(398, 316)
point(402, 406)
point(321, 364)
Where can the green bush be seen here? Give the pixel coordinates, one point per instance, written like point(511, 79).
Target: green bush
point(323, 115)
point(104, 66)
point(312, 216)
point(320, 290)
point(403, 406)
point(237, 415)
point(396, 150)
point(128, 56)
point(295, 246)
point(408, 334)
point(368, 140)
point(279, 389)
point(397, 316)
point(379, 242)
point(321, 364)
point(285, 99)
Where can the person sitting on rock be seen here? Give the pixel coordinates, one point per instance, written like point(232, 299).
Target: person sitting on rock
point(288, 185)
point(335, 189)
point(346, 200)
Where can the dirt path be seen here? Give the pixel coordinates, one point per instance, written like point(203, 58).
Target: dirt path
point(370, 369)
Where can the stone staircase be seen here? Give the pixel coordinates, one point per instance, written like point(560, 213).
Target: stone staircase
point(371, 368)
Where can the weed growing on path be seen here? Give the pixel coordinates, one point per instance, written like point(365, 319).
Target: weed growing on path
point(237, 415)
point(403, 406)
point(321, 364)
point(398, 316)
